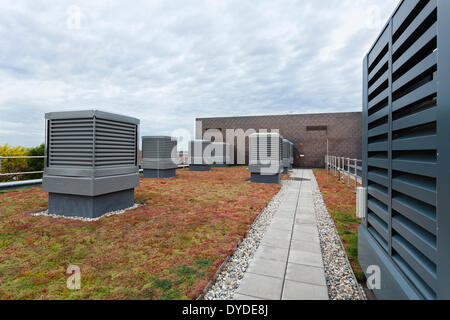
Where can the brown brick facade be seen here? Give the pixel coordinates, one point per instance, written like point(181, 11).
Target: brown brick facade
point(343, 131)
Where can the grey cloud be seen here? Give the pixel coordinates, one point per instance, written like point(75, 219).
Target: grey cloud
point(168, 62)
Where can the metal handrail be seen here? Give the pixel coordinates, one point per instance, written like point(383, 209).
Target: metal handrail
point(19, 173)
point(342, 167)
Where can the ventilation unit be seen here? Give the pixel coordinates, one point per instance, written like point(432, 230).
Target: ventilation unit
point(200, 158)
point(159, 156)
point(265, 163)
point(220, 153)
point(291, 155)
point(406, 153)
point(286, 156)
point(91, 166)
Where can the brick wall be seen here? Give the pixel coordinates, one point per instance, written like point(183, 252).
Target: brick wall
point(343, 131)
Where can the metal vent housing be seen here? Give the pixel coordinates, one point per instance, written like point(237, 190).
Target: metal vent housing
point(90, 153)
point(406, 153)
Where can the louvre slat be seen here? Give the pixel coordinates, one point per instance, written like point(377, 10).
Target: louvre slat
point(417, 167)
point(379, 98)
point(378, 238)
point(416, 95)
point(418, 69)
point(418, 188)
point(378, 192)
point(429, 8)
point(418, 143)
point(379, 82)
point(419, 118)
point(379, 163)
point(378, 130)
point(381, 146)
point(425, 269)
point(402, 13)
point(378, 115)
point(426, 244)
point(379, 208)
point(408, 54)
point(378, 225)
point(415, 211)
point(378, 178)
point(426, 292)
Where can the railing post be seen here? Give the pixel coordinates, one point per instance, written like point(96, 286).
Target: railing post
point(348, 172)
point(356, 174)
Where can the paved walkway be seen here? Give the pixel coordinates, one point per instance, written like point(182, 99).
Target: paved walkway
point(288, 263)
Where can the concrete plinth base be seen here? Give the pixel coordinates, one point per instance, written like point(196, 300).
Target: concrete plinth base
point(285, 170)
point(89, 207)
point(199, 167)
point(219, 165)
point(259, 178)
point(159, 173)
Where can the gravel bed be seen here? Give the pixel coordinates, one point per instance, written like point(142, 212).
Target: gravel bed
point(112, 213)
point(228, 280)
point(341, 281)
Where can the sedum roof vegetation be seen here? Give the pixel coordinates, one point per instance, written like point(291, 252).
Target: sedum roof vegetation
point(169, 248)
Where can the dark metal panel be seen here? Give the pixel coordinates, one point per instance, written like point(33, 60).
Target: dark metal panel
point(422, 241)
point(420, 93)
point(426, 270)
point(416, 212)
point(402, 13)
point(419, 68)
point(426, 11)
point(419, 44)
point(443, 183)
point(416, 119)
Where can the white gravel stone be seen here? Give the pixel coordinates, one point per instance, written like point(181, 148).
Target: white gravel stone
point(112, 213)
point(341, 281)
point(233, 271)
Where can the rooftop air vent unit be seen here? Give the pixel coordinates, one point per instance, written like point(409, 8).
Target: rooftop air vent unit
point(291, 155)
point(91, 166)
point(220, 154)
point(405, 231)
point(200, 155)
point(286, 156)
point(159, 156)
point(265, 162)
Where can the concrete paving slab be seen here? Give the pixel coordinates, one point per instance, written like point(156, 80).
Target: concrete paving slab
point(262, 287)
point(306, 258)
point(312, 247)
point(302, 236)
point(303, 291)
point(238, 296)
point(306, 274)
point(267, 267)
point(272, 253)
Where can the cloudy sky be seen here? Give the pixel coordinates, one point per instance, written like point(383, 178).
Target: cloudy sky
point(170, 61)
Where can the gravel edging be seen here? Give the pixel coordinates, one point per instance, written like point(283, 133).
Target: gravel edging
point(232, 271)
point(340, 279)
point(44, 213)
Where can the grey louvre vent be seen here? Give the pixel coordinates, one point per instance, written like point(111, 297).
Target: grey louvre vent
point(91, 155)
point(286, 155)
point(291, 154)
point(220, 153)
point(200, 155)
point(159, 156)
point(406, 153)
point(265, 163)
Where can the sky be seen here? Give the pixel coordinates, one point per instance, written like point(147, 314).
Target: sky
point(168, 62)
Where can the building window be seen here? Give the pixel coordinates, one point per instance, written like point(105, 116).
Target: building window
point(316, 128)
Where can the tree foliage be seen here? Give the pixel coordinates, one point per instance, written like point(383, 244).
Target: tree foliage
point(36, 164)
point(12, 165)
